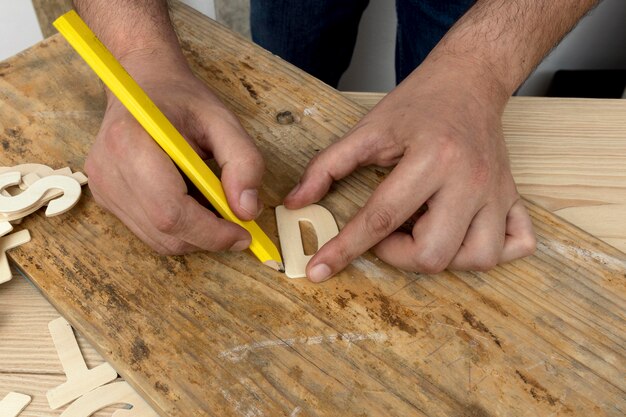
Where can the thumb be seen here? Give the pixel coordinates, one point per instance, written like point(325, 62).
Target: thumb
point(241, 162)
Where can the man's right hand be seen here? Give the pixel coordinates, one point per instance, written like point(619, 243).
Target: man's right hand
point(132, 177)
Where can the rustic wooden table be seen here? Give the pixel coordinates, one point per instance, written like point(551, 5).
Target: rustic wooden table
point(217, 335)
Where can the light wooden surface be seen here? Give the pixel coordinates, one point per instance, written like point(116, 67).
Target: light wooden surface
point(217, 334)
point(569, 156)
point(28, 360)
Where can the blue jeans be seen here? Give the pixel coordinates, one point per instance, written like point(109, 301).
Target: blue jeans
point(319, 36)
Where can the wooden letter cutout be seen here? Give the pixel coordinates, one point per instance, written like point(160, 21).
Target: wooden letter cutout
point(13, 404)
point(9, 242)
point(5, 227)
point(25, 169)
point(288, 222)
point(115, 393)
point(37, 195)
point(80, 380)
point(30, 178)
point(33, 172)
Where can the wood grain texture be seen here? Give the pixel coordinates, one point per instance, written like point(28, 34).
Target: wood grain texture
point(29, 362)
point(218, 334)
point(26, 345)
point(569, 156)
point(47, 12)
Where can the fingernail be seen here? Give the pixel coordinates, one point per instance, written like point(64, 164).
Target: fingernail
point(294, 191)
point(319, 273)
point(239, 246)
point(248, 201)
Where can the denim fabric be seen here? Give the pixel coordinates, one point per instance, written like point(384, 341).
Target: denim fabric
point(421, 25)
point(319, 36)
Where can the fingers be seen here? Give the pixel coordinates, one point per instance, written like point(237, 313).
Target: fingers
point(491, 239)
point(399, 196)
point(436, 238)
point(494, 239)
point(241, 162)
point(483, 245)
point(332, 164)
point(455, 232)
point(144, 189)
point(162, 195)
point(520, 240)
point(163, 244)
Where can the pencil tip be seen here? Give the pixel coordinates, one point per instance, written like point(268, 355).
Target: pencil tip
point(277, 266)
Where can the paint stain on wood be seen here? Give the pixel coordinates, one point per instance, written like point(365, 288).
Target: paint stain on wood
point(139, 351)
point(16, 142)
point(341, 302)
point(391, 314)
point(495, 305)
point(249, 88)
point(537, 391)
point(114, 301)
point(474, 410)
point(160, 386)
point(476, 324)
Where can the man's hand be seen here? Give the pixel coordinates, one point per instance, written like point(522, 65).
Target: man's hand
point(446, 139)
point(131, 176)
point(441, 127)
point(128, 172)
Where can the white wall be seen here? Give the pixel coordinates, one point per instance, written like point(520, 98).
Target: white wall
point(205, 6)
point(599, 42)
point(19, 28)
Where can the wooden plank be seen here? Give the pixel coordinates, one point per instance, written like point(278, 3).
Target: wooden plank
point(569, 156)
point(210, 334)
point(26, 345)
point(29, 362)
point(47, 11)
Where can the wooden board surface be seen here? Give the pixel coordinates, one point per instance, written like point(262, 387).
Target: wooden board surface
point(569, 156)
point(217, 334)
point(28, 361)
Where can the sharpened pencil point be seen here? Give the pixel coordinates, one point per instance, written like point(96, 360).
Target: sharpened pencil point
point(277, 266)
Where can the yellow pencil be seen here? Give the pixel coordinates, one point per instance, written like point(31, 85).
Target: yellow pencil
point(85, 42)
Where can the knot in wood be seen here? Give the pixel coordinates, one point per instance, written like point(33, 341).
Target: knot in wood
point(285, 118)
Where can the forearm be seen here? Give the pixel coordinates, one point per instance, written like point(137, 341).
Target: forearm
point(506, 39)
point(133, 27)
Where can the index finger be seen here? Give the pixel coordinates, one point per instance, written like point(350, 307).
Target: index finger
point(404, 191)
